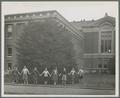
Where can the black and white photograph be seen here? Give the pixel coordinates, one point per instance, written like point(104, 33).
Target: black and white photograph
point(59, 49)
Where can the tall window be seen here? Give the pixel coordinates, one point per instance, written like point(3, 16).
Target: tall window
point(105, 65)
point(100, 66)
point(102, 46)
point(109, 45)
point(9, 51)
point(9, 31)
point(106, 48)
point(106, 39)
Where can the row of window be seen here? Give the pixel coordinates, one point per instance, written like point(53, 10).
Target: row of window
point(106, 40)
point(102, 66)
point(9, 29)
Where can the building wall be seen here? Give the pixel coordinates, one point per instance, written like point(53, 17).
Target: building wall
point(17, 30)
point(91, 42)
point(87, 42)
point(98, 55)
point(8, 44)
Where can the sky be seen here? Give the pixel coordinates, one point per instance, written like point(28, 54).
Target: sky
point(72, 11)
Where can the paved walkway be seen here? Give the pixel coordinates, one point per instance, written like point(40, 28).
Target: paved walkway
point(53, 90)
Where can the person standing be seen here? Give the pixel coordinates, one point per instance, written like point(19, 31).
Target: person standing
point(72, 73)
point(64, 76)
point(10, 76)
point(25, 72)
point(15, 74)
point(55, 76)
point(35, 75)
point(46, 75)
point(80, 74)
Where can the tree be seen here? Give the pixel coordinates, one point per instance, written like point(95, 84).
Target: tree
point(45, 44)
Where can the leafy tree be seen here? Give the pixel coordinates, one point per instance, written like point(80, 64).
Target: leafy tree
point(45, 44)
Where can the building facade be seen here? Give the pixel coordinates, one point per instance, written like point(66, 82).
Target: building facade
point(99, 43)
point(94, 41)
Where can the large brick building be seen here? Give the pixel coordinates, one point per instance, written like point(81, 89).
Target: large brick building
point(99, 43)
point(94, 41)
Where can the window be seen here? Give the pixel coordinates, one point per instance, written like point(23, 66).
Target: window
point(105, 66)
point(99, 66)
point(9, 35)
point(9, 31)
point(106, 48)
point(9, 66)
point(106, 40)
point(102, 46)
point(109, 46)
point(9, 51)
point(9, 28)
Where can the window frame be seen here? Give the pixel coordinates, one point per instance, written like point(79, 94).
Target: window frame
point(8, 31)
point(9, 52)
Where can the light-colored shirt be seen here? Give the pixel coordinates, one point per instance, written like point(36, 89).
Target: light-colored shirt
point(46, 73)
point(25, 71)
point(55, 71)
point(72, 72)
point(81, 72)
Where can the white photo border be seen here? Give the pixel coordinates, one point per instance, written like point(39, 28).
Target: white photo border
point(17, 95)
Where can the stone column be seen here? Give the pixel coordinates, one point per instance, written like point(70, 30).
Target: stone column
point(113, 42)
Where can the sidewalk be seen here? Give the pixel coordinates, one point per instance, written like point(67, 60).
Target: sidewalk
point(75, 86)
point(53, 90)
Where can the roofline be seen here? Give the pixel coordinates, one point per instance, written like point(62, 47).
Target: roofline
point(91, 20)
point(30, 13)
point(70, 25)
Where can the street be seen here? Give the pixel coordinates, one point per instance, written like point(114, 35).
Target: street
point(53, 90)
